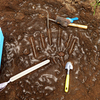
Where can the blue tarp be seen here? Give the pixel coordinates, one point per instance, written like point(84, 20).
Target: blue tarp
point(1, 45)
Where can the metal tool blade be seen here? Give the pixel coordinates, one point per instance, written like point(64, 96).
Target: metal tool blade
point(69, 66)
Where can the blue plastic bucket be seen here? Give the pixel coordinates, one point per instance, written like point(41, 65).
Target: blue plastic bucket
point(1, 45)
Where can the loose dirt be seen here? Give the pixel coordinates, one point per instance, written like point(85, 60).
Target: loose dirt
point(24, 25)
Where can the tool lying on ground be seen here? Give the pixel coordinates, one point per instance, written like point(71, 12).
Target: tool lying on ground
point(1, 45)
point(68, 67)
point(67, 22)
point(23, 73)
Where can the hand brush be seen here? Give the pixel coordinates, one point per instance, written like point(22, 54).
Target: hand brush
point(68, 22)
point(23, 73)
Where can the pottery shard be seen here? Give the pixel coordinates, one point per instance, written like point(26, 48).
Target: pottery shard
point(20, 16)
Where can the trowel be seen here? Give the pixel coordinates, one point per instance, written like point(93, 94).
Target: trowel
point(68, 67)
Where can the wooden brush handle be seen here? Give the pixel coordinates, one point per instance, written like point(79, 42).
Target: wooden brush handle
point(27, 71)
point(78, 25)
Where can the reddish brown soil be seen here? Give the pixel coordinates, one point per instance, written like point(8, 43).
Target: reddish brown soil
point(22, 21)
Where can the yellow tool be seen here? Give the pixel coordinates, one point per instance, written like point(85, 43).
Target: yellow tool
point(68, 67)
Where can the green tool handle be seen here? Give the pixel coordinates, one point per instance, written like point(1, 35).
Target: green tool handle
point(67, 83)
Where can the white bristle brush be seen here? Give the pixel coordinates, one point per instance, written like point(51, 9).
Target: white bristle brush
point(23, 73)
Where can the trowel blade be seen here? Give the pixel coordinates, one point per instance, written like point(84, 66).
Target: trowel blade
point(69, 66)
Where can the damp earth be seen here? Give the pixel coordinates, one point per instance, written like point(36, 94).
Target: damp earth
point(29, 39)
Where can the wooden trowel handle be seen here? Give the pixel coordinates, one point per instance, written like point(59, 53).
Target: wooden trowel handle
point(78, 25)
